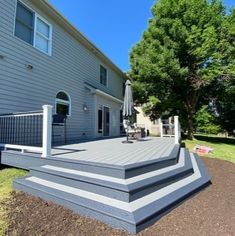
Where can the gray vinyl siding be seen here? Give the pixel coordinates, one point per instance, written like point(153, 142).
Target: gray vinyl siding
point(70, 65)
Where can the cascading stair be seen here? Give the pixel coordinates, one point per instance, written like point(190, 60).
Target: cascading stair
point(131, 201)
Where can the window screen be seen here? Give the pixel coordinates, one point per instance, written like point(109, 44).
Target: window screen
point(103, 76)
point(24, 23)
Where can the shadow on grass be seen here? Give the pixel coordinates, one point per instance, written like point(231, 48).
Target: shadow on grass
point(3, 167)
point(215, 139)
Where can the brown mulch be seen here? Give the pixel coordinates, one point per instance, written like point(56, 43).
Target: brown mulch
point(210, 212)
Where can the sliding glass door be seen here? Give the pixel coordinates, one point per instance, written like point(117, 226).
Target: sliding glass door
point(103, 121)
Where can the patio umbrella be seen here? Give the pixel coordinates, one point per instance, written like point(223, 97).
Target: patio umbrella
point(128, 106)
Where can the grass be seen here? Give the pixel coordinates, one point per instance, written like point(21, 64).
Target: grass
point(7, 175)
point(223, 148)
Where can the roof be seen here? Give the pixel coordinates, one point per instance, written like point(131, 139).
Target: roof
point(73, 31)
point(97, 91)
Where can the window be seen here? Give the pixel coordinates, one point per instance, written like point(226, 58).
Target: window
point(103, 75)
point(42, 36)
point(24, 23)
point(63, 103)
point(31, 28)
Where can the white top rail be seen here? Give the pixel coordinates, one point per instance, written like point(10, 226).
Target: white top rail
point(22, 148)
point(21, 114)
point(45, 150)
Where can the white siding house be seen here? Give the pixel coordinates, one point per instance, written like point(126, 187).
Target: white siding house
point(45, 60)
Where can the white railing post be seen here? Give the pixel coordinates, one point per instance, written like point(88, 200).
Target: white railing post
point(47, 128)
point(176, 125)
point(161, 129)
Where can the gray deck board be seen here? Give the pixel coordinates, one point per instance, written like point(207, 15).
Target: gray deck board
point(114, 152)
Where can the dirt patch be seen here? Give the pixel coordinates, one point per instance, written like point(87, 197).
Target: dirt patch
point(211, 212)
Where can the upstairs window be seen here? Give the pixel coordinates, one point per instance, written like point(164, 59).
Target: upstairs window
point(24, 24)
point(103, 76)
point(31, 28)
point(42, 36)
point(63, 103)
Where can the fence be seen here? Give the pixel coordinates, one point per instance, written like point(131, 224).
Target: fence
point(29, 131)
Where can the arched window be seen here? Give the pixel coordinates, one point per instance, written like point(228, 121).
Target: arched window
point(63, 103)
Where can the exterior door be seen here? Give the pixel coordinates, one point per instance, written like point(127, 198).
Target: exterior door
point(100, 121)
point(106, 121)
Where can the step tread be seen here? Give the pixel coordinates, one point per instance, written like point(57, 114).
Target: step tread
point(126, 185)
point(201, 178)
point(134, 212)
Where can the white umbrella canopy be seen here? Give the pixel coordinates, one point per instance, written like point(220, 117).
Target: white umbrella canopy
point(128, 104)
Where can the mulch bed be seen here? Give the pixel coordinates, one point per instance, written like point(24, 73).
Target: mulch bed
point(210, 212)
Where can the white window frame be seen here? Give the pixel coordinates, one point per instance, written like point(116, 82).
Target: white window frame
point(36, 16)
point(49, 40)
point(63, 102)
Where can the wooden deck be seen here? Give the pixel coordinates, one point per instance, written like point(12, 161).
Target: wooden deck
point(114, 152)
point(128, 186)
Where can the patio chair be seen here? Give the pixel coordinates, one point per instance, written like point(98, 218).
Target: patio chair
point(59, 120)
point(134, 131)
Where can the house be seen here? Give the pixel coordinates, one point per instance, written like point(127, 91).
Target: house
point(46, 60)
point(163, 126)
point(153, 127)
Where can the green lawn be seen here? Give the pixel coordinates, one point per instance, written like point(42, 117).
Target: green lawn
point(224, 148)
point(7, 175)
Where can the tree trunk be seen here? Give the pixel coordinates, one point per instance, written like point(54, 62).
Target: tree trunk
point(190, 126)
point(191, 102)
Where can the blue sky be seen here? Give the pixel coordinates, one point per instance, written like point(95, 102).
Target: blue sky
point(112, 25)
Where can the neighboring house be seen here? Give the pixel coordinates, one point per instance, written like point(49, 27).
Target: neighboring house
point(144, 120)
point(45, 60)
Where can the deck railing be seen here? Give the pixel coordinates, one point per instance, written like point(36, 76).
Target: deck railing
point(171, 130)
point(28, 131)
point(21, 128)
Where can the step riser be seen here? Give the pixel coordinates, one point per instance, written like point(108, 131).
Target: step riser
point(153, 199)
point(151, 167)
point(102, 190)
point(114, 193)
point(26, 161)
point(159, 185)
point(112, 221)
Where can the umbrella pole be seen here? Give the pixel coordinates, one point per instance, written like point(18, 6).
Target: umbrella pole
point(127, 129)
point(127, 135)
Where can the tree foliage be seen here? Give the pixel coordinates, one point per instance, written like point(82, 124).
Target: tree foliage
point(205, 121)
point(188, 44)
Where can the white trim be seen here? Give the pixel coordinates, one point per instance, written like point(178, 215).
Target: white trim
point(20, 115)
point(22, 148)
point(49, 40)
point(63, 102)
point(36, 15)
point(128, 181)
point(126, 206)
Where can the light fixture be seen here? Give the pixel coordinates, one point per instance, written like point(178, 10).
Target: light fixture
point(29, 66)
point(85, 108)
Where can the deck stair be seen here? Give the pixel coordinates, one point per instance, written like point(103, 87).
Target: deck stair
point(128, 202)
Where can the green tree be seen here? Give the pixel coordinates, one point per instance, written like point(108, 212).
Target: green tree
point(205, 121)
point(187, 45)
